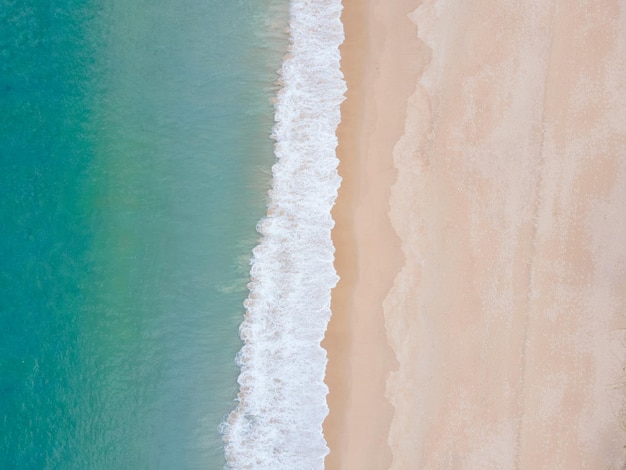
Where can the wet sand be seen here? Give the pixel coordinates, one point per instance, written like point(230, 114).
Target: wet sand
point(481, 237)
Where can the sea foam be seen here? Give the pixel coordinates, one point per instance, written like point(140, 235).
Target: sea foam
point(282, 399)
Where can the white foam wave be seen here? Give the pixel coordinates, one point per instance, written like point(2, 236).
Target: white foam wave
point(282, 399)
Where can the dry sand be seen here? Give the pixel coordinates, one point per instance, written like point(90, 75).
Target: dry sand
point(481, 237)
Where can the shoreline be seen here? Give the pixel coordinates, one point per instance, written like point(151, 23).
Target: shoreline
point(379, 40)
point(482, 328)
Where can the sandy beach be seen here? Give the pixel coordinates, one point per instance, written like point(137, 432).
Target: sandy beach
point(481, 237)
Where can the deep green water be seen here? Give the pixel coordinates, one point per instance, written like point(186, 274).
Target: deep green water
point(134, 161)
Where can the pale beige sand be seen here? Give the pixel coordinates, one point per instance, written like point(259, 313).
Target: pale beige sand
point(506, 315)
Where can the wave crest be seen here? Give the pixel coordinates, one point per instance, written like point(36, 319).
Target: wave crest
point(282, 399)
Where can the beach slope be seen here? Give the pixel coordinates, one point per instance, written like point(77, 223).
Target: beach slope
point(481, 237)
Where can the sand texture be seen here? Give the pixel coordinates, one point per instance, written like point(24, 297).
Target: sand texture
point(481, 237)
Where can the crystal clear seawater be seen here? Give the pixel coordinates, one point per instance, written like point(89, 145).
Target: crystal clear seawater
point(135, 158)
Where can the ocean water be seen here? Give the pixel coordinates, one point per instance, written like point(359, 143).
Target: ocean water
point(135, 158)
point(159, 308)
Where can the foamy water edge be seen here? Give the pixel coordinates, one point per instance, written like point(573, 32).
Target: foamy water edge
point(282, 399)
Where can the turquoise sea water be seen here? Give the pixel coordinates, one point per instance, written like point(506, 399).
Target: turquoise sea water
point(134, 162)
